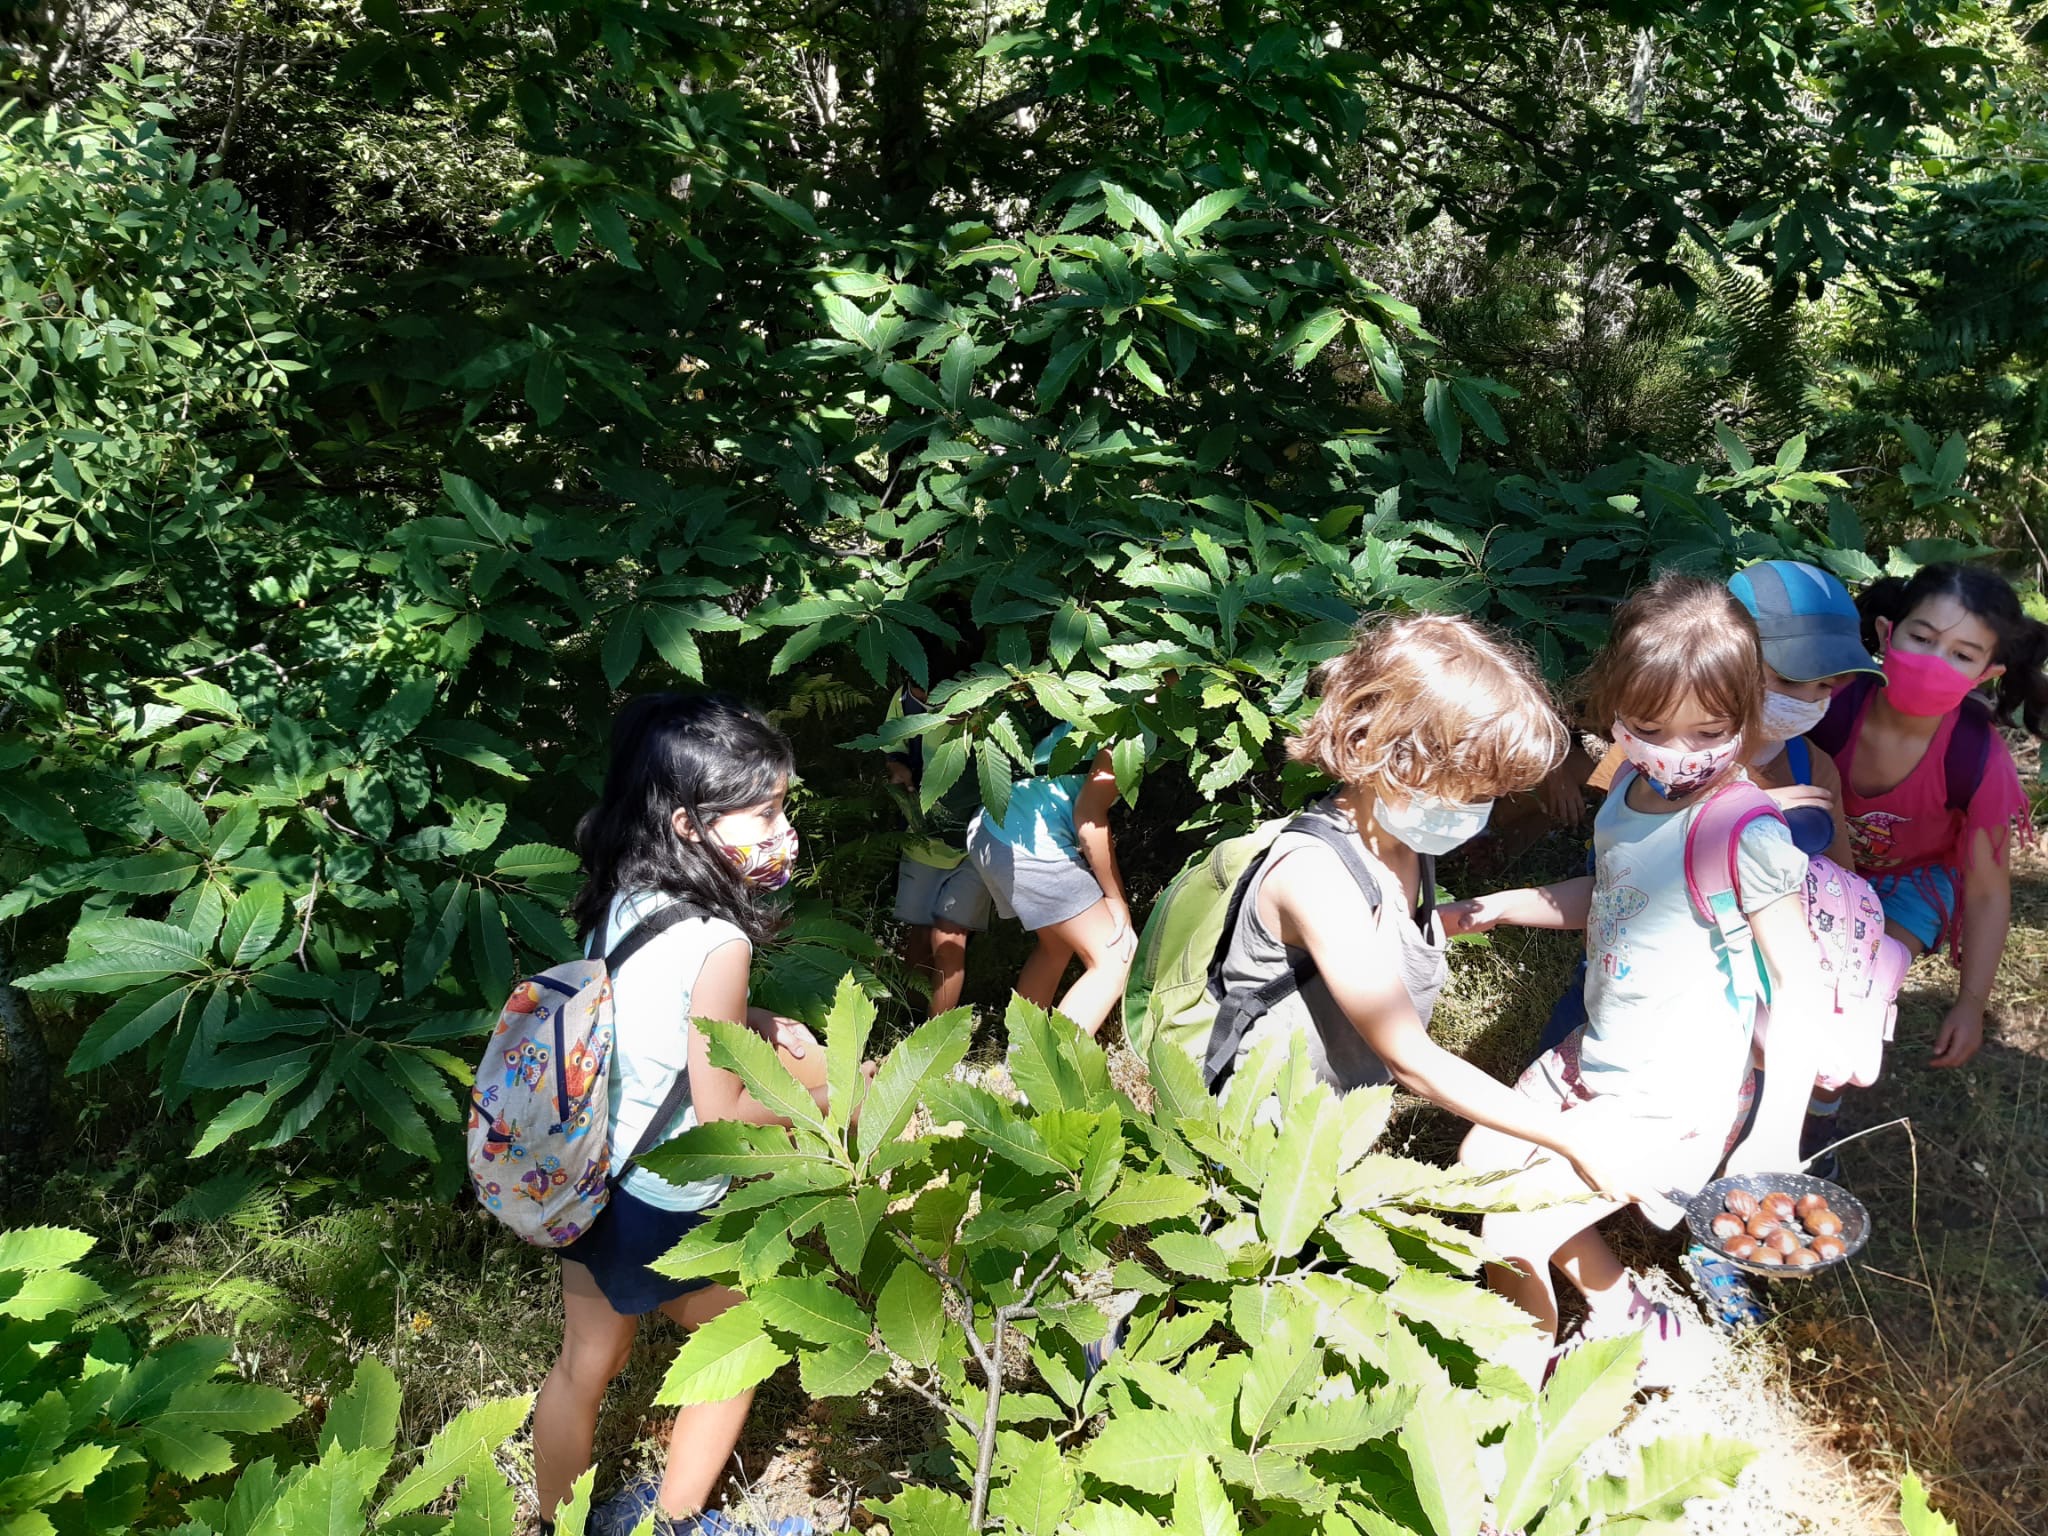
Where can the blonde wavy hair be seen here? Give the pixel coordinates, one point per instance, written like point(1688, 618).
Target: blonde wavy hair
point(1432, 705)
point(1681, 637)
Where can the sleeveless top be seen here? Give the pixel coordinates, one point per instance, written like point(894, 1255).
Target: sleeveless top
point(1337, 1050)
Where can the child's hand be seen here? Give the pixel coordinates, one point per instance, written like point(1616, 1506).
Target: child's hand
point(1608, 1170)
point(860, 1093)
point(1961, 1035)
point(791, 1035)
point(1123, 938)
point(1475, 914)
point(1564, 798)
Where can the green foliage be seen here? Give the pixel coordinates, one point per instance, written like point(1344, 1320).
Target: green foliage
point(1919, 1517)
point(314, 614)
point(1303, 1336)
point(88, 1421)
point(99, 1435)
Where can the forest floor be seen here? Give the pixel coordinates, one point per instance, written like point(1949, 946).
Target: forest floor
point(1930, 1350)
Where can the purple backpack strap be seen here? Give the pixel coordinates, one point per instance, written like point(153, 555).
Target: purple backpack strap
point(1832, 734)
point(1969, 750)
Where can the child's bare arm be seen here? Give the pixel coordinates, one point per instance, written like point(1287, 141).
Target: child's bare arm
point(1563, 905)
point(721, 994)
point(1987, 922)
point(1792, 1057)
point(1321, 910)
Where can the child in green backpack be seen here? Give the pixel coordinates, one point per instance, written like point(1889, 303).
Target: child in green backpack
point(1422, 724)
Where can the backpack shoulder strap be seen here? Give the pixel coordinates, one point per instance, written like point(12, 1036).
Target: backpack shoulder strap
point(1237, 1013)
point(1711, 846)
point(638, 938)
point(1832, 734)
point(1969, 752)
point(1344, 844)
point(647, 930)
point(1799, 757)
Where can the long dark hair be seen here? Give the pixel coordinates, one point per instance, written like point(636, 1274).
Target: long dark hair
point(704, 753)
point(2022, 641)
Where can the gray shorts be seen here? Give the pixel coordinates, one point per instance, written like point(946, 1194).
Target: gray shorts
point(1037, 892)
point(926, 894)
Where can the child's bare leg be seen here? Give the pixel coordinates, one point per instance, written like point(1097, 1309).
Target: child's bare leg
point(595, 1343)
point(1531, 1240)
point(1107, 964)
point(706, 1433)
point(1039, 981)
point(949, 965)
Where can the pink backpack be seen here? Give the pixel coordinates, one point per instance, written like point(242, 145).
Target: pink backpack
point(1861, 965)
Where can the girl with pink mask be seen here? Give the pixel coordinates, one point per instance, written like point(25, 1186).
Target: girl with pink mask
point(1931, 792)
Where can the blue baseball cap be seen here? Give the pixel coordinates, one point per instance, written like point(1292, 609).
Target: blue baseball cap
point(1806, 619)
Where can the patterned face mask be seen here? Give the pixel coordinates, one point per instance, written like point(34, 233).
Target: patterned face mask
point(1673, 771)
point(766, 865)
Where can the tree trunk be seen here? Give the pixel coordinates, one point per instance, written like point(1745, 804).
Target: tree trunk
point(902, 132)
point(24, 1120)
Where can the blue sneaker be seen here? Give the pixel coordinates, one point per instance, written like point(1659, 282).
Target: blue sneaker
point(1731, 1301)
point(623, 1513)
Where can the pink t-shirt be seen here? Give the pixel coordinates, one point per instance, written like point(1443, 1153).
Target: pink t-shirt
point(1910, 829)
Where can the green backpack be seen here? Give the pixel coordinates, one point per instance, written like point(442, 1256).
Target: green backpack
point(1175, 998)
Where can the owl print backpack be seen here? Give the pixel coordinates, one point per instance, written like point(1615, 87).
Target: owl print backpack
point(1861, 966)
point(540, 1153)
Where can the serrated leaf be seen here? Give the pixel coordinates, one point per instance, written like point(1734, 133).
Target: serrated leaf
point(910, 1314)
point(132, 1021)
point(39, 815)
point(811, 1308)
point(1443, 1461)
point(1207, 210)
point(433, 939)
point(1038, 1491)
point(1201, 1504)
point(365, 1416)
point(527, 860)
point(1140, 1198)
point(465, 1444)
point(26, 1250)
point(737, 1049)
point(843, 1370)
point(722, 1359)
point(252, 923)
point(1301, 1176)
point(930, 1051)
point(1142, 1450)
point(1441, 415)
point(992, 1123)
point(1583, 1402)
point(175, 814)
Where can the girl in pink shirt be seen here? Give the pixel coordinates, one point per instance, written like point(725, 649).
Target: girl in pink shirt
point(1931, 792)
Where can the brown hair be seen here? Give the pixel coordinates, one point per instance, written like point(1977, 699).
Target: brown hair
point(1432, 705)
point(1680, 637)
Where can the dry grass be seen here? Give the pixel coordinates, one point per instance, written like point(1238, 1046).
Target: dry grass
point(1934, 1347)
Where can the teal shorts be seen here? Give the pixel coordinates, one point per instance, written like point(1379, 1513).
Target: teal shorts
point(1907, 903)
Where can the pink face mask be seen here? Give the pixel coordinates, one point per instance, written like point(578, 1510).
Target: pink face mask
point(1671, 771)
point(1920, 683)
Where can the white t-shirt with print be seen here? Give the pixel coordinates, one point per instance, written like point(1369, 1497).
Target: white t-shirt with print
point(651, 1014)
point(1664, 1027)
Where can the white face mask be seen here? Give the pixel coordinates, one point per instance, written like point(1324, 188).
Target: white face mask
point(1432, 826)
point(1785, 717)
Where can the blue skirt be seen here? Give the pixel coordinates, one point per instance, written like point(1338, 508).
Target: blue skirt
point(627, 1236)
